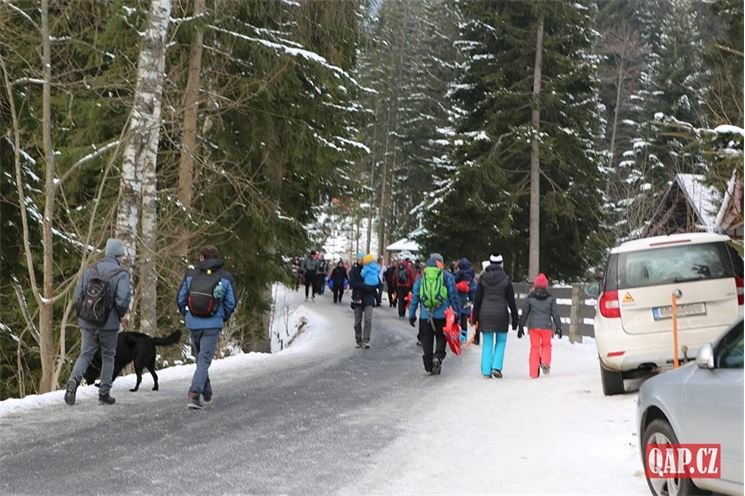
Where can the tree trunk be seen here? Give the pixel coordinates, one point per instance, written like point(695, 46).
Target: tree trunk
point(368, 246)
point(535, 164)
point(46, 307)
point(619, 92)
point(189, 134)
point(139, 183)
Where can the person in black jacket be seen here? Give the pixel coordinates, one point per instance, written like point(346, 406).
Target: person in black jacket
point(309, 268)
point(494, 296)
point(339, 279)
point(364, 298)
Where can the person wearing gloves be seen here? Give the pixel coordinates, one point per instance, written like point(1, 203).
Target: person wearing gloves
point(538, 310)
point(494, 297)
point(434, 291)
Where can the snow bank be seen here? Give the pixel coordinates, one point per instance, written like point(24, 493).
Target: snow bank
point(290, 313)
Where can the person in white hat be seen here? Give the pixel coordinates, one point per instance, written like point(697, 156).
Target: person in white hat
point(494, 297)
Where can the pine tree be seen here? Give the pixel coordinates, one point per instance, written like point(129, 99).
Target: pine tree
point(670, 107)
point(486, 206)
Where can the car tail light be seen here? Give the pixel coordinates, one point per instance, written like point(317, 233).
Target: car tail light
point(739, 284)
point(610, 308)
point(615, 354)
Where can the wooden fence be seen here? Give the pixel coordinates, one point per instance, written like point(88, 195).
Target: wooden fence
point(576, 310)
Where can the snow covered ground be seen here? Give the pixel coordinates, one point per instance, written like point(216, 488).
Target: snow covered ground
point(467, 435)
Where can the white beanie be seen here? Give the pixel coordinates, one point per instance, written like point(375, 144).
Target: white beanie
point(497, 259)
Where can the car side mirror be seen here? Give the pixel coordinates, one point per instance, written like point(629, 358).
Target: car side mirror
point(705, 357)
point(593, 289)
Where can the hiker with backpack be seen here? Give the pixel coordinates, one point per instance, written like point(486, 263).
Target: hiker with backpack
point(103, 297)
point(404, 281)
point(465, 284)
point(207, 298)
point(538, 311)
point(494, 296)
point(364, 298)
point(434, 291)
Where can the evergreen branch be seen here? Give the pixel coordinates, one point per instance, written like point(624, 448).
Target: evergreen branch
point(95, 154)
point(729, 50)
point(19, 185)
point(9, 3)
point(24, 309)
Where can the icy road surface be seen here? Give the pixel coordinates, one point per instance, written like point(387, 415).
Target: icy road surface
point(323, 417)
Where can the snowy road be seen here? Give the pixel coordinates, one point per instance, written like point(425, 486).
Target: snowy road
point(326, 418)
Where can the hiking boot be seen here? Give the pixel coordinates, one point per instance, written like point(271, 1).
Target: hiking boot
point(497, 374)
point(545, 369)
point(436, 366)
point(106, 399)
point(70, 391)
point(195, 402)
point(207, 397)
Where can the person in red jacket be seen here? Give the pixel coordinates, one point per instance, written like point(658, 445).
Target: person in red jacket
point(404, 280)
point(539, 310)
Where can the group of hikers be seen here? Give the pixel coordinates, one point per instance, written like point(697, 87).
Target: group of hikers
point(207, 297)
point(487, 301)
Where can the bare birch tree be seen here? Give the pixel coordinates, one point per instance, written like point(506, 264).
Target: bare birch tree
point(139, 165)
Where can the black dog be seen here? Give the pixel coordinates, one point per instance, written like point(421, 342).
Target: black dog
point(133, 347)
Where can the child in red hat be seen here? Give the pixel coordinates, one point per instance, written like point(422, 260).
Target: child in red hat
point(538, 311)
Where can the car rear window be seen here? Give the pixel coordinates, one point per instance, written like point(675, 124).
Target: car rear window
point(673, 264)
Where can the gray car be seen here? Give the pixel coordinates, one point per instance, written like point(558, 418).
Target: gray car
point(701, 402)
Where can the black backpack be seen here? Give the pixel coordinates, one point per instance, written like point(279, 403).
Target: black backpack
point(403, 275)
point(201, 299)
point(96, 301)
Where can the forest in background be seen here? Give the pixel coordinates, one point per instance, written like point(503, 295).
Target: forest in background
point(240, 123)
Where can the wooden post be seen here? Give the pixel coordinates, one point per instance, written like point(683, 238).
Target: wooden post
point(676, 361)
point(575, 314)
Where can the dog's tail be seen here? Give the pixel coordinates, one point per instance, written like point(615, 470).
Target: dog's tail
point(169, 340)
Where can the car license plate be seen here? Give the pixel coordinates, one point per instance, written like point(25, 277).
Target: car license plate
point(687, 310)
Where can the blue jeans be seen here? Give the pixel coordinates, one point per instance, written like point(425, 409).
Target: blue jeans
point(492, 351)
point(203, 342)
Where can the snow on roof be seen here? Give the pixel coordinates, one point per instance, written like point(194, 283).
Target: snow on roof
point(408, 244)
point(404, 244)
point(728, 195)
point(704, 199)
